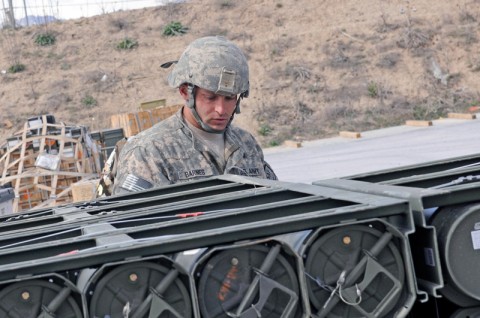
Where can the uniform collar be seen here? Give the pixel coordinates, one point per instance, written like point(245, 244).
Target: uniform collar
point(232, 142)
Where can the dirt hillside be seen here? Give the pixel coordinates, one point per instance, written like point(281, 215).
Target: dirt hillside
point(316, 67)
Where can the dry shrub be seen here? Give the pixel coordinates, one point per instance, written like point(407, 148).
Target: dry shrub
point(282, 121)
point(389, 60)
point(385, 26)
point(57, 101)
point(31, 94)
point(298, 72)
point(92, 77)
point(475, 65)
point(465, 15)
point(345, 94)
point(214, 30)
point(466, 33)
point(334, 112)
point(100, 81)
point(59, 85)
point(70, 50)
point(345, 55)
point(414, 38)
point(8, 78)
point(240, 36)
point(346, 116)
point(119, 24)
point(279, 46)
point(451, 99)
point(173, 10)
point(224, 4)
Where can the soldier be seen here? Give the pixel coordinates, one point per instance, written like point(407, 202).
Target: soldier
point(199, 140)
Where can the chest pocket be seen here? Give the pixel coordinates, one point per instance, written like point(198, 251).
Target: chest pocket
point(244, 163)
point(246, 171)
point(187, 166)
point(250, 165)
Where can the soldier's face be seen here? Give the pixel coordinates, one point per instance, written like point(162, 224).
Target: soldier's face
point(214, 110)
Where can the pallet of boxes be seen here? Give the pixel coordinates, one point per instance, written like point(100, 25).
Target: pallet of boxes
point(46, 161)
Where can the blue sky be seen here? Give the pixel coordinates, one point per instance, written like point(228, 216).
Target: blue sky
point(72, 9)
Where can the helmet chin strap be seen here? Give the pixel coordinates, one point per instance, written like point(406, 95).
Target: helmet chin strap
point(192, 106)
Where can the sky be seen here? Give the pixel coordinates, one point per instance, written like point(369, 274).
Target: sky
point(73, 9)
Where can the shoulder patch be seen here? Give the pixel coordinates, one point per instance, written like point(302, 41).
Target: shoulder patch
point(134, 183)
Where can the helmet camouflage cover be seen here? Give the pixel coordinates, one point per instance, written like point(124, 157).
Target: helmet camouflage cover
point(212, 63)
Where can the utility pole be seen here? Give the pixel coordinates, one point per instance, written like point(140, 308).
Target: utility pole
point(10, 13)
point(26, 15)
point(4, 14)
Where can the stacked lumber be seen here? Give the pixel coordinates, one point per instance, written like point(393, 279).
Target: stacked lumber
point(43, 161)
point(133, 123)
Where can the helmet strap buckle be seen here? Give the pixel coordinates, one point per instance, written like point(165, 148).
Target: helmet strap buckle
point(191, 96)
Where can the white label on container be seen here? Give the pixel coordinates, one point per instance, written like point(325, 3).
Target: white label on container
point(476, 240)
point(429, 258)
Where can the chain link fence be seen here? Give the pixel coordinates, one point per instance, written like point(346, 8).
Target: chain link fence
point(18, 13)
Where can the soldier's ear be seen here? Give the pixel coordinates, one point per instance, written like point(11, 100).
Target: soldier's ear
point(183, 89)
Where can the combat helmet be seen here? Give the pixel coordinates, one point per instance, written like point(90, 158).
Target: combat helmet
point(215, 64)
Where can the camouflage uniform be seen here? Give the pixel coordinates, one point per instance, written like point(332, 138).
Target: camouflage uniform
point(168, 153)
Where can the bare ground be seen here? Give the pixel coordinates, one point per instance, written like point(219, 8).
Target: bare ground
point(316, 67)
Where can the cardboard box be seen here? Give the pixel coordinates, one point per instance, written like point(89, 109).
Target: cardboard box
point(84, 190)
point(48, 161)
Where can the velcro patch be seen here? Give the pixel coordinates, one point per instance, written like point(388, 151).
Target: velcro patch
point(134, 183)
point(191, 174)
point(249, 171)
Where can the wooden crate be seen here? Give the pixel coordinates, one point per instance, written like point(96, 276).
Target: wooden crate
point(159, 114)
point(144, 119)
point(133, 123)
point(153, 104)
point(128, 122)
